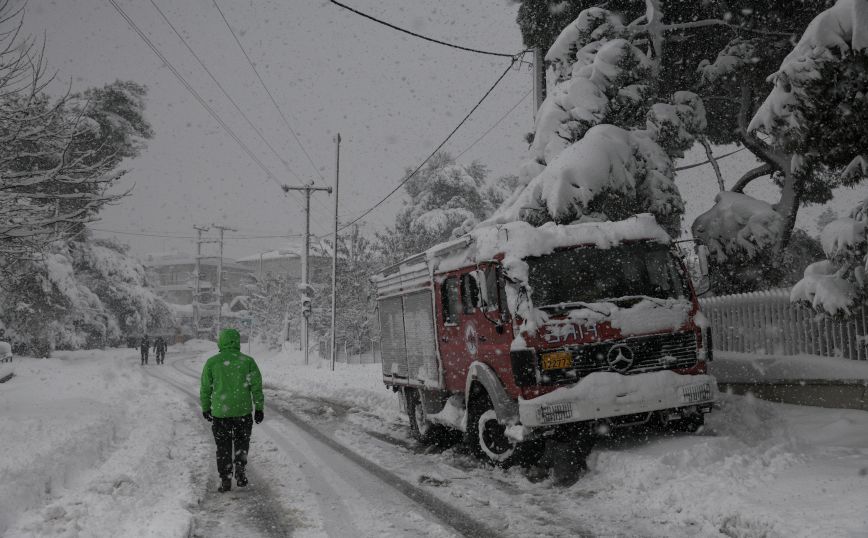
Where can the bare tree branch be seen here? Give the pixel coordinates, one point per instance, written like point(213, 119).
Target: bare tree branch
point(756, 173)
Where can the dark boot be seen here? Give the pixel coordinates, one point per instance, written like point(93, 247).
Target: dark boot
point(240, 476)
point(225, 485)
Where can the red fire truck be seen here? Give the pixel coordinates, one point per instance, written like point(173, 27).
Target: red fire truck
point(513, 334)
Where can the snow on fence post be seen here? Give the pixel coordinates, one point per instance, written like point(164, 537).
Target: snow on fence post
point(768, 323)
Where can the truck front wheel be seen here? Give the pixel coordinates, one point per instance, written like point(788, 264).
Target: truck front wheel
point(487, 438)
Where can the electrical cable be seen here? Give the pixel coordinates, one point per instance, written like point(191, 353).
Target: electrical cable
point(199, 98)
point(195, 94)
point(267, 91)
point(225, 93)
point(717, 157)
point(438, 148)
point(483, 135)
point(173, 236)
point(420, 36)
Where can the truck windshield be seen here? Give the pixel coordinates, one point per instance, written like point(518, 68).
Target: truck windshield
point(589, 275)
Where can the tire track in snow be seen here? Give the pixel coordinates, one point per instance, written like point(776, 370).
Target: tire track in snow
point(453, 517)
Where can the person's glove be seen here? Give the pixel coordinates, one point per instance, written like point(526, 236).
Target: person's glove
point(207, 416)
point(258, 416)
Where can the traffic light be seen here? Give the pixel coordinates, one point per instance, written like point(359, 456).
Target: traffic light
point(306, 306)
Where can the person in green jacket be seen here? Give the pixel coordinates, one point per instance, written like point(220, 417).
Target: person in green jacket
point(230, 391)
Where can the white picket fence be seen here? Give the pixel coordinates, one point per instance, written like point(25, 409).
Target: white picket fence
point(767, 323)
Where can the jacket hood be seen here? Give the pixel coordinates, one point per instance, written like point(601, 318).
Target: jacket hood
point(229, 340)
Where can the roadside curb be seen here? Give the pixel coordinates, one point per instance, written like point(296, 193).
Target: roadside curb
point(833, 394)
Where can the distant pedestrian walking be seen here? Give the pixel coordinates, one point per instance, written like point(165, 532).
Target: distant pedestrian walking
point(160, 349)
point(231, 388)
point(144, 346)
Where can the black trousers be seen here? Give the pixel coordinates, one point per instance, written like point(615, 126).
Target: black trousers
point(232, 435)
point(144, 356)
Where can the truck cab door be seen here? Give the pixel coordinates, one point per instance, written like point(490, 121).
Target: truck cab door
point(450, 337)
point(485, 315)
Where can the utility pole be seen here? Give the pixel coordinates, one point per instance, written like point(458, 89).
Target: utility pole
point(335, 249)
point(539, 78)
point(220, 276)
point(197, 275)
point(305, 285)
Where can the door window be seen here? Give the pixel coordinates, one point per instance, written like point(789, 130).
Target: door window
point(450, 299)
point(469, 293)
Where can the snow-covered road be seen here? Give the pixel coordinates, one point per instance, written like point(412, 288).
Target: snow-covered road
point(93, 444)
point(351, 496)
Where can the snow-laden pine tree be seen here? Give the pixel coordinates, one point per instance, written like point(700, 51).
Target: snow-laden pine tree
point(817, 112)
point(446, 199)
point(806, 133)
point(605, 137)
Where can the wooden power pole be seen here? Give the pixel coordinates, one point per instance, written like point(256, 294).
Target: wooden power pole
point(305, 284)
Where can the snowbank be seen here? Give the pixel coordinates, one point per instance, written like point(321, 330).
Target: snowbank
point(733, 367)
point(96, 442)
point(352, 385)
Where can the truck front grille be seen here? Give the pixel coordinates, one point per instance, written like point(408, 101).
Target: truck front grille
point(650, 353)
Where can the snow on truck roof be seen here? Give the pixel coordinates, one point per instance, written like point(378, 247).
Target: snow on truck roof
point(519, 240)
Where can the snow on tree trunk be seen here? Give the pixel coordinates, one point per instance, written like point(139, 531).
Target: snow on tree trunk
point(602, 149)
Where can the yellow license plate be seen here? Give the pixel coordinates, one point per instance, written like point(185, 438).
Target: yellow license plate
point(557, 360)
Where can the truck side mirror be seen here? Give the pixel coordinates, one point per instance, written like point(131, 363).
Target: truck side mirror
point(702, 254)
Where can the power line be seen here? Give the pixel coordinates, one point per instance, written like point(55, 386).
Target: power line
point(694, 165)
point(174, 236)
point(438, 148)
point(194, 93)
point(225, 93)
point(420, 36)
point(200, 99)
point(483, 135)
point(267, 91)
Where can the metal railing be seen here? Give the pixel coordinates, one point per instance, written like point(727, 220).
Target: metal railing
point(767, 323)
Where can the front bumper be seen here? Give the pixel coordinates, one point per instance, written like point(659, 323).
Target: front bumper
point(604, 395)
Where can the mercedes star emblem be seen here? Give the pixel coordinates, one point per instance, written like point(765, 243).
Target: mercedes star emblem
point(620, 358)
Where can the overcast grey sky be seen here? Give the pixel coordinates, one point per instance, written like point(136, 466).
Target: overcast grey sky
point(392, 97)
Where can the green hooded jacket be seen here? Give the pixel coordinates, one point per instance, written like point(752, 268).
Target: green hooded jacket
point(231, 382)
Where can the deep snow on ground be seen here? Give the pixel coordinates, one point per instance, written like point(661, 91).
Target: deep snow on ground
point(758, 468)
point(91, 446)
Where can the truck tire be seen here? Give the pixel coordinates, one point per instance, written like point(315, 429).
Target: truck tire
point(488, 441)
point(421, 428)
point(690, 424)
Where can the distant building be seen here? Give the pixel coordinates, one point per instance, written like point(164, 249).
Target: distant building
point(173, 278)
point(287, 262)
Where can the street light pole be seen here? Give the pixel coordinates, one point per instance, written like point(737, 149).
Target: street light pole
point(335, 250)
